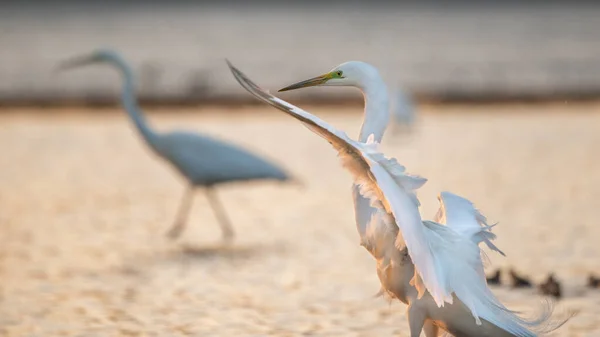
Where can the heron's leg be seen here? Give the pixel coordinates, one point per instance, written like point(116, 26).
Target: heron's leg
point(416, 320)
point(182, 213)
point(216, 205)
point(430, 329)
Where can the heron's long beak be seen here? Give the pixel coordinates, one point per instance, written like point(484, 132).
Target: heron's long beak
point(308, 83)
point(74, 62)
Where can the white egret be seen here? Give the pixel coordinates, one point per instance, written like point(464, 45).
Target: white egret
point(202, 160)
point(425, 264)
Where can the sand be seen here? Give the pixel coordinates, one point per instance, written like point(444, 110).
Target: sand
point(84, 207)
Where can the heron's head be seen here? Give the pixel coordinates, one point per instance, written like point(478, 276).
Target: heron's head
point(348, 74)
point(98, 56)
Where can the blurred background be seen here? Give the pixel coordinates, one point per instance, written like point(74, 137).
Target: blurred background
point(467, 50)
point(506, 105)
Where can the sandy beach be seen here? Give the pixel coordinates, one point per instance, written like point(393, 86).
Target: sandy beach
point(84, 206)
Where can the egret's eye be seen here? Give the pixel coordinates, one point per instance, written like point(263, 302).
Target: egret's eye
point(339, 73)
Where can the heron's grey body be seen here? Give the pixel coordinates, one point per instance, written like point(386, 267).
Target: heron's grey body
point(210, 161)
point(403, 112)
point(203, 161)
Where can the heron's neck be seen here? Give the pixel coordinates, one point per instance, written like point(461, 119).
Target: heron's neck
point(130, 103)
point(377, 112)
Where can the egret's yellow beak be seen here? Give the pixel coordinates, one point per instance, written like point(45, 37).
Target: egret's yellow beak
point(309, 83)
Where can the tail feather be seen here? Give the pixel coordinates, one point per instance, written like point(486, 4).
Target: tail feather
point(542, 322)
point(545, 321)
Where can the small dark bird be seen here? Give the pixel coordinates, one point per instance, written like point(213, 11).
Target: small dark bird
point(551, 287)
point(494, 279)
point(593, 281)
point(519, 281)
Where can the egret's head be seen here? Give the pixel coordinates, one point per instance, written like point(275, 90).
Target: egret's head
point(98, 56)
point(348, 74)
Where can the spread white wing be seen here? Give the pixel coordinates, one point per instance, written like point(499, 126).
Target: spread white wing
point(461, 215)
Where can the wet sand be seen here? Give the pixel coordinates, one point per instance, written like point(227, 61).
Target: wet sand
point(84, 207)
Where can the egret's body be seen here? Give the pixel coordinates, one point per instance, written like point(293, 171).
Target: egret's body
point(434, 267)
point(203, 161)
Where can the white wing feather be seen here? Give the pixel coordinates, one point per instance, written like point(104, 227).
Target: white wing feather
point(461, 215)
point(460, 261)
point(465, 228)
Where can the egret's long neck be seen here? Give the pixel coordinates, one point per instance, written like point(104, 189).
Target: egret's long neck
point(130, 103)
point(377, 109)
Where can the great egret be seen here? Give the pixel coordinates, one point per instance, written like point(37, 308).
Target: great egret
point(202, 160)
point(443, 254)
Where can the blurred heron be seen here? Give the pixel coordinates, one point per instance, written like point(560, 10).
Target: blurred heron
point(425, 264)
point(403, 111)
point(203, 161)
